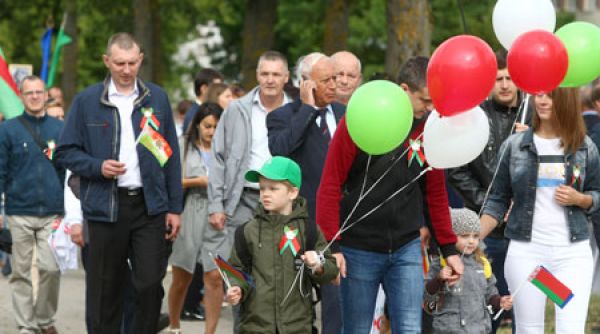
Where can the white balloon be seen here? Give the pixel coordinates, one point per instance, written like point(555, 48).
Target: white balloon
point(511, 18)
point(452, 141)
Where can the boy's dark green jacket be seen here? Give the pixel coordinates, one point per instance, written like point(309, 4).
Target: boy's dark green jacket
point(273, 274)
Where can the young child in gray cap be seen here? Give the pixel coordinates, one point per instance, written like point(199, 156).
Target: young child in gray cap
point(462, 306)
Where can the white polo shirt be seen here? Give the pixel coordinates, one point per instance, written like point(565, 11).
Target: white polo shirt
point(259, 152)
point(127, 151)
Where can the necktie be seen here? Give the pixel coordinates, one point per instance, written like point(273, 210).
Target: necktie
point(323, 124)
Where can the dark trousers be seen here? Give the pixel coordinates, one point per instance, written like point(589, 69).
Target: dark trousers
point(496, 249)
point(141, 238)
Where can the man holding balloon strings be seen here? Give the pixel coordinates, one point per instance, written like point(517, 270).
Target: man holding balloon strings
point(381, 240)
point(472, 180)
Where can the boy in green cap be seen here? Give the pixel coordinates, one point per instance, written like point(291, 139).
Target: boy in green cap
point(276, 241)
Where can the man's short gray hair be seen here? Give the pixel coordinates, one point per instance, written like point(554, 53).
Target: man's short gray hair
point(306, 63)
point(272, 56)
point(123, 40)
point(30, 78)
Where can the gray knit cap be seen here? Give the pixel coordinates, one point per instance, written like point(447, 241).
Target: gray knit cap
point(464, 221)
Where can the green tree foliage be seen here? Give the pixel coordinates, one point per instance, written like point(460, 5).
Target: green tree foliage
point(298, 31)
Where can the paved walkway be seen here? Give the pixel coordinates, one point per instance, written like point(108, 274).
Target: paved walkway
point(70, 317)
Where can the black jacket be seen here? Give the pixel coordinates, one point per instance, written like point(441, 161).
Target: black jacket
point(472, 180)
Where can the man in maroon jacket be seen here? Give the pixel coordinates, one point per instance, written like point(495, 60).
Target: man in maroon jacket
point(384, 247)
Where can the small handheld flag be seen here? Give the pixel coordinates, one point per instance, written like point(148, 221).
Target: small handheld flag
point(551, 286)
point(232, 275)
point(156, 144)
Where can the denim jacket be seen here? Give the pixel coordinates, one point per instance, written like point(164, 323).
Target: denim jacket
point(517, 179)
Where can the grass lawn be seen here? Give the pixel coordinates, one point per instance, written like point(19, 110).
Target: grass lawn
point(593, 316)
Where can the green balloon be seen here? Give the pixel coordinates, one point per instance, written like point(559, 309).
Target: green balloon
point(582, 41)
point(379, 116)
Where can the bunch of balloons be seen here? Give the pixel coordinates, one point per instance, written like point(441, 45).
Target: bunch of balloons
point(538, 59)
point(460, 75)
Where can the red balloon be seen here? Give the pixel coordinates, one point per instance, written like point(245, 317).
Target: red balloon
point(461, 74)
point(537, 61)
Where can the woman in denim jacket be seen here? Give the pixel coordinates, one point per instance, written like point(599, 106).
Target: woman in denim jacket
point(549, 182)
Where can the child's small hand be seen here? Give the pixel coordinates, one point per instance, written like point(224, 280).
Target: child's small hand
point(311, 259)
point(445, 274)
point(506, 302)
point(234, 294)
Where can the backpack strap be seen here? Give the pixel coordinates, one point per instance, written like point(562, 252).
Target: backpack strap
point(241, 248)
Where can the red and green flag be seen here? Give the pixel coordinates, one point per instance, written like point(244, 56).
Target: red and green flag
point(156, 144)
point(231, 274)
point(551, 286)
point(10, 103)
point(61, 40)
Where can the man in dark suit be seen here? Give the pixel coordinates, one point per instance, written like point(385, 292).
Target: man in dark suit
point(301, 130)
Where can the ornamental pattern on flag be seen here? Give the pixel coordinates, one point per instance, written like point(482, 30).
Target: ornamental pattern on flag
point(156, 144)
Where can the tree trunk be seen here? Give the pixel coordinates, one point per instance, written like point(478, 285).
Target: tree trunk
point(147, 32)
point(409, 32)
point(258, 36)
point(71, 53)
point(336, 27)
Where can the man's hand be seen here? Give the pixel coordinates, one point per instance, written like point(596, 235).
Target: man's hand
point(307, 92)
point(520, 127)
point(445, 274)
point(173, 223)
point(234, 295)
point(113, 168)
point(454, 262)
point(77, 235)
point(340, 261)
point(425, 237)
point(217, 220)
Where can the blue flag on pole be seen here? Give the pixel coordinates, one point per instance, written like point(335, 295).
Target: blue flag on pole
point(46, 48)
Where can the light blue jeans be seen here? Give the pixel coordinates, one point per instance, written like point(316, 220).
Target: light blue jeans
point(402, 277)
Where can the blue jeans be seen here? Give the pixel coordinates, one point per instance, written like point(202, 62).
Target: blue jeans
point(402, 278)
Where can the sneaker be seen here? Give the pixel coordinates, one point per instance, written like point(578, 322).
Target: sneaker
point(193, 315)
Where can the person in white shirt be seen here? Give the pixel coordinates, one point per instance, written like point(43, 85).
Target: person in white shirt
point(240, 143)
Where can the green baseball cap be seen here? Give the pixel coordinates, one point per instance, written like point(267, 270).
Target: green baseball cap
point(278, 169)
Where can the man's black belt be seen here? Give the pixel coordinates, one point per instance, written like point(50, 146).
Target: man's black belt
point(131, 191)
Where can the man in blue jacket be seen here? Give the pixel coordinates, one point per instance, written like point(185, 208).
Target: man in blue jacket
point(33, 201)
point(131, 194)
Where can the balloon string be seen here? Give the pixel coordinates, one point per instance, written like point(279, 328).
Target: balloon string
point(342, 230)
point(363, 194)
point(522, 111)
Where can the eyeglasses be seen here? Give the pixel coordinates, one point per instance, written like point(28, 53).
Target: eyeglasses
point(33, 92)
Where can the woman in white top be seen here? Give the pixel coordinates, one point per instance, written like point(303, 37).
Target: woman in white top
point(549, 176)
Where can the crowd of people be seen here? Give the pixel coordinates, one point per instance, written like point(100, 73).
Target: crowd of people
point(271, 180)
